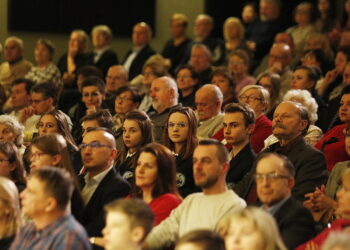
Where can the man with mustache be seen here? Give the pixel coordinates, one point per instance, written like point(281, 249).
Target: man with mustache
point(200, 210)
point(208, 102)
point(164, 99)
point(101, 184)
point(290, 123)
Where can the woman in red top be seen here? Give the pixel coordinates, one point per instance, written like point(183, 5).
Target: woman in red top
point(155, 180)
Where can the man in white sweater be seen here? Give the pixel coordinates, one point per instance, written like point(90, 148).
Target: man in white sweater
point(200, 210)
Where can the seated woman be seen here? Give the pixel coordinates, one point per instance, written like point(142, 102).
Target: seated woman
point(238, 65)
point(187, 83)
point(234, 35)
point(272, 83)
point(322, 202)
point(46, 71)
point(55, 122)
point(12, 165)
point(52, 150)
point(155, 180)
point(303, 97)
point(222, 78)
point(10, 214)
point(181, 139)
point(255, 229)
point(332, 144)
point(258, 98)
point(137, 132)
point(342, 222)
point(12, 131)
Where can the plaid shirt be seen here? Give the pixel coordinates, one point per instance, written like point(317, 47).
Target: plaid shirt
point(64, 233)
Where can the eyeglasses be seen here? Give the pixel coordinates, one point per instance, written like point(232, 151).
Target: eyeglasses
point(178, 124)
point(95, 144)
point(3, 160)
point(270, 176)
point(244, 98)
point(123, 99)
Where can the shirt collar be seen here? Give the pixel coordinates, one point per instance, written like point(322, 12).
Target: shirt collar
point(97, 178)
point(274, 208)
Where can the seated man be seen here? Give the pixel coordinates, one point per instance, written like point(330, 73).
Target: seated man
point(103, 56)
point(46, 201)
point(101, 184)
point(128, 223)
point(208, 103)
point(164, 98)
point(201, 62)
point(200, 210)
point(15, 66)
point(274, 178)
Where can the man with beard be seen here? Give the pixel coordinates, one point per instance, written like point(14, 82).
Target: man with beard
point(200, 210)
point(290, 124)
point(208, 102)
point(164, 99)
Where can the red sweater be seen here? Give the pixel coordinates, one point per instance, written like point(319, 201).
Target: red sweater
point(163, 205)
point(262, 130)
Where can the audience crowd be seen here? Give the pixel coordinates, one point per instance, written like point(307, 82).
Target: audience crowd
point(234, 143)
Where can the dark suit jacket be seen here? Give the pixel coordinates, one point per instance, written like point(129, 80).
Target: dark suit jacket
point(107, 59)
point(295, 223)
point(110, 188)
point(139, 60)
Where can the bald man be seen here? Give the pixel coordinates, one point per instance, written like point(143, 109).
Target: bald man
point(101, 184)
point(141, 50)
point(164, 96)
point(203, 27)
point(208, 102)
point(117, 76)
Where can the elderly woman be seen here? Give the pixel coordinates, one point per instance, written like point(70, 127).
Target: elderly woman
point(303, 97)
point(45, 71)
point(258, 98)
point(12, 131)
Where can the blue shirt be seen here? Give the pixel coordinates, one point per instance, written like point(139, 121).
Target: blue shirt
point(64, 233)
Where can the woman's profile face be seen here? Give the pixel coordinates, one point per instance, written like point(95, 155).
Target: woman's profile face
point(178, 127)
point(47, 125)
point(6, 167)
point(6, 133)
point(38, 159)
point(242, 234)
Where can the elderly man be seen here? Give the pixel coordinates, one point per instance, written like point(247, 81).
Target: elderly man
point(203, 26)
point(274, 179)
point(102, 56)
point(164, 96)
point(289, 125)
point(200, 210)
point(208, 103)
point(280, 57)
point(101, 184)
point(201, 62)
point(141, 51)
point(117, 76)
point(15, 66)
point(46, 201)
point(177, 49)
point(239, 121)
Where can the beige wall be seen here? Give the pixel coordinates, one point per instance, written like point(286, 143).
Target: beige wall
point(164, 10)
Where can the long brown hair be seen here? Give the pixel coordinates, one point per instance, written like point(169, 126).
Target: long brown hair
point(166, 176)
point(192, 140)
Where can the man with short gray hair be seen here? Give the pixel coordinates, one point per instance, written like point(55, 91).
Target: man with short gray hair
point(208, 102)
point(164, 95)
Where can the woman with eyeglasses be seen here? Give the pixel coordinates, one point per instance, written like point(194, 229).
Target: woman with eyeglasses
point(155, 180)
point(55, 122)
point(52, 150)
point(11, 165)
point(187, 80)
point(137, 132)
point(181, 139)
point(258, 98)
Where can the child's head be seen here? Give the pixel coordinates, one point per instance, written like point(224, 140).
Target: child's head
point(201, 240)
point(127, 224)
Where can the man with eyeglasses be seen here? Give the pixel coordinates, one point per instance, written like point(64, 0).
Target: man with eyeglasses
point(208, 102)
point(101, 184)
point(274, 179)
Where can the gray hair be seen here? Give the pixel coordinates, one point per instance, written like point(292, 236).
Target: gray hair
point(18, 129)
point(214, 91)
point(303, 97)
point(16, 39)
point(104, 29)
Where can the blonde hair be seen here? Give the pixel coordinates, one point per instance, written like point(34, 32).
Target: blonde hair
point(9, 198)
point(261, 220)
point(239, 24)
